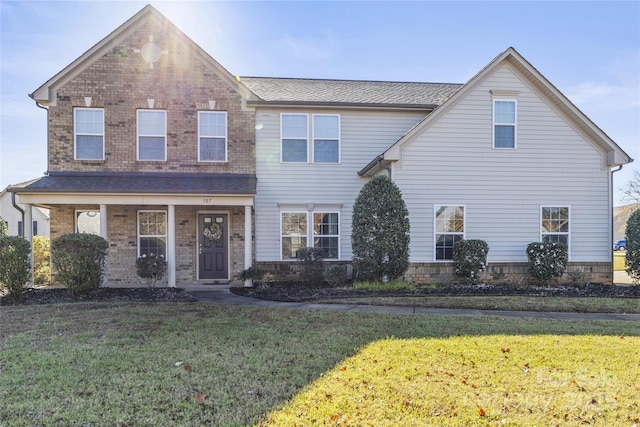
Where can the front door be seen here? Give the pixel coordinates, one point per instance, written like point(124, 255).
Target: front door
point(213, 247)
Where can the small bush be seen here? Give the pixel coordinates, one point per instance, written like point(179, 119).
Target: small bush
point(632, 257)
point(41, 260)
point(253, 273)
point(547, 260)
point(14, 265)
point(470, 259)
point(79, 260)
point(336, 275)
point(312, 266)
point(151, 267)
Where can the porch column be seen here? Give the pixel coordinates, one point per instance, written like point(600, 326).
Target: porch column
point(171, 247)
point(248, 242)
point(27, 233)
point(104, 234)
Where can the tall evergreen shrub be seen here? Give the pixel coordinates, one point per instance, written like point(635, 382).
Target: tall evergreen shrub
point(14, 265)
point(380, 235)
point(633, 246)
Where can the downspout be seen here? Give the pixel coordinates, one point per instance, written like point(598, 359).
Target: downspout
point(611, 222)
point(19, 209)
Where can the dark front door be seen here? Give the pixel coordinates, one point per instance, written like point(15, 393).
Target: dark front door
point(212, 246)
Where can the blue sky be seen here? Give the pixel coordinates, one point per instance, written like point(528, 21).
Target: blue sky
point(589, 50)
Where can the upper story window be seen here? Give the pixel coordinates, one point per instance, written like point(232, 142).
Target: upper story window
point(152, 135)
point(212, 136)
point(554, 225)
point(504, 123)
point(88, 133)
point(449, 226)
point(322, 147)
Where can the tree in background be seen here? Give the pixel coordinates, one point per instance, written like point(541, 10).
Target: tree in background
point(633, 246)
point(631, 193)
point(4, 230)
point(380, 235)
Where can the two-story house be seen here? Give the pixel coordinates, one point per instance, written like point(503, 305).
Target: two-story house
point(163, 150)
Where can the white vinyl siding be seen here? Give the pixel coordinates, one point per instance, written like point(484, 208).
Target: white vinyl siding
point(152, 135)
point(88, 133)
point(452, 162)
point(212, 136)
point(330, 187)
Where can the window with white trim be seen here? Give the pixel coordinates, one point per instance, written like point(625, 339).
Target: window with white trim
point(152, 135)
point(88, 221)
point(449, 230)
point(298, 147)
point(296, 235)
point(152, 233)
point(212, 136)
point(504, 123)
point(554, 226)
point(88, 129)
point(325, 233)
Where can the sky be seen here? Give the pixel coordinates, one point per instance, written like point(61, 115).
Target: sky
point(589, 50)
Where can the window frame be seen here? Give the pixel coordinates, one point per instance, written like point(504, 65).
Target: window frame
point(314, 139)
point(436, 233)
point(283, 138)
point(77, 134)
point(567, 233)
point(139, 236)
point(139, 135)
point(310, 235)
point(77, 212)
point(497, 123)
point(225, 136)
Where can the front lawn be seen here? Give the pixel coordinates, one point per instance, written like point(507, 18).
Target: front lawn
point(619, 263)
point(105, 364)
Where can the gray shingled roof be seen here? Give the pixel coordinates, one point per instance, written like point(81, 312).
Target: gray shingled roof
point(155, 183)
point(350, 92)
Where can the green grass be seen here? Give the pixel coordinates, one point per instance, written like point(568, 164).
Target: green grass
point(108, 364)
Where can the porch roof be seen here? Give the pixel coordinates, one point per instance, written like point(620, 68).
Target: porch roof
point(140, 183)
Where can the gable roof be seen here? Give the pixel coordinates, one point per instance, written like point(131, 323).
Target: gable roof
point(291, 91)
point(615, 155)
point(46, 94)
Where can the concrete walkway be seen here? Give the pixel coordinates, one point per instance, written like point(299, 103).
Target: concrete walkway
point(220, 294)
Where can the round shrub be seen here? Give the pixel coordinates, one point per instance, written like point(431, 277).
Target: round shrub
point(470, 259)
point(380, 236)
point(14, 265)
point(151, 267)
point(633, 246)
point(79, 260)
point(547, 260)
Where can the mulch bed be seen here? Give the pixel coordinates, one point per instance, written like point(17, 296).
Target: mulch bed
point(296, 292)
point(60, 295)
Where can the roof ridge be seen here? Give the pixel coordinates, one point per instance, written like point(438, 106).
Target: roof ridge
point(348, 80)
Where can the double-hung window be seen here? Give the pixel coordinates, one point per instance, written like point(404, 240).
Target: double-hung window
point(449, 226)
point(152, 135)
point(324, 235)
point(323, 146)
point(504, 123)
point(295, 138)
point(152, 233)
point(554, 225)
point(88, 133)
point(212, 136)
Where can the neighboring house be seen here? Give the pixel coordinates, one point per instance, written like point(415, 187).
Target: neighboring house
point(14, 217)
point(157, 146)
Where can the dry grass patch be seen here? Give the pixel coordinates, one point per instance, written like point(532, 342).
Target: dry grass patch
point(489, 380)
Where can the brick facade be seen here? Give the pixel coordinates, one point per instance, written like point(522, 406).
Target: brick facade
point(182, 82)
